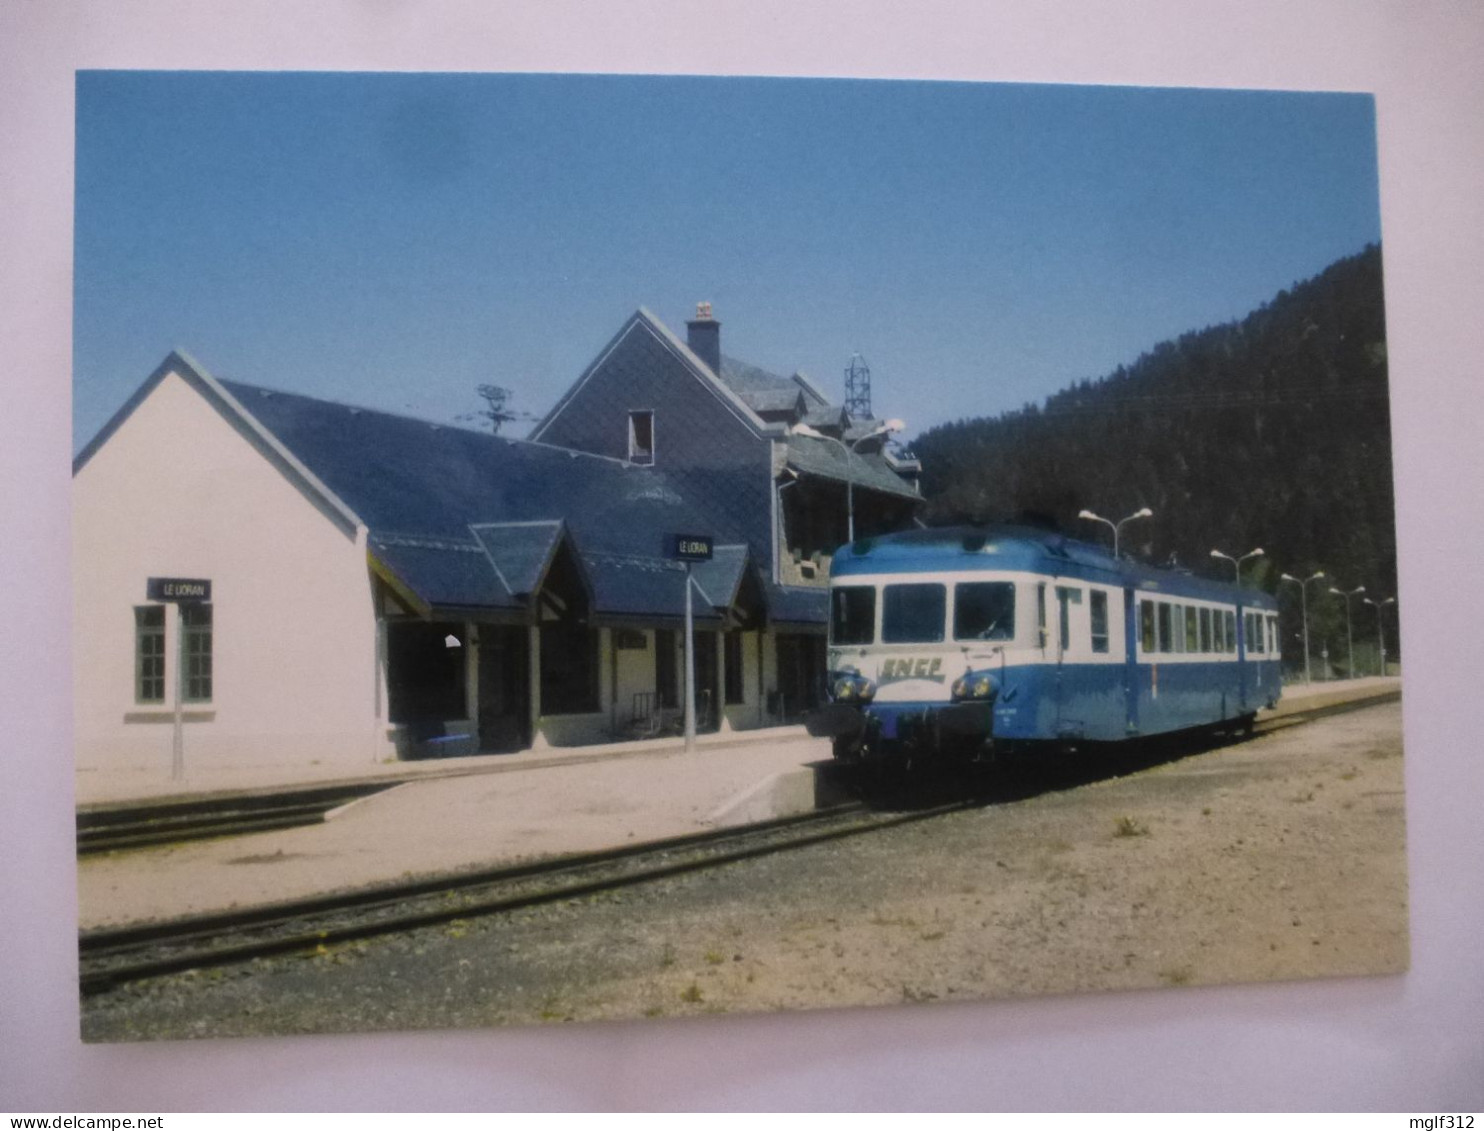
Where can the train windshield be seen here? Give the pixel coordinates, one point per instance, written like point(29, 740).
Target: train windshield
point(913, 614)
point(984, 610)
point(853, 614)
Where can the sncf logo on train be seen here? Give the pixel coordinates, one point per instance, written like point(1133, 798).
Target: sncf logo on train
point(912, 667)
point(178, 589)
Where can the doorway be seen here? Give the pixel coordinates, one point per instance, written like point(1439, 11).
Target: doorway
point(504, 688)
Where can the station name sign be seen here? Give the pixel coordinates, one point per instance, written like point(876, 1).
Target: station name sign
point(691, 547)
point(178, 589)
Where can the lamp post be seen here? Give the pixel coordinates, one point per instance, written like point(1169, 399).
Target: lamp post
point(1237, 562)
point(1380, 627)
point(1349, 636)
point(1304, 605)
point(885, 428)
point(1116, 526)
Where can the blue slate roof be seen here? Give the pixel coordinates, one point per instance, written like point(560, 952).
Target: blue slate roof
point(795, 604)
point(721, 577)
point(520, 552)
point(826, 458)
point(465, 519)
point(768, 392)
point(411, 477)
point(443, 573)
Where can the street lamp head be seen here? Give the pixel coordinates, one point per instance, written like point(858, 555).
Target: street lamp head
point(1289, 577)
point(1143, 512)
point(1219, 554)
point(894, 425)
point(1088, 514)
point(1257, 553)
point(805, 430)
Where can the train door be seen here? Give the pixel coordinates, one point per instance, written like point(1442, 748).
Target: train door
point(1130, 662)
point(1242, 647)
point(1062, 634)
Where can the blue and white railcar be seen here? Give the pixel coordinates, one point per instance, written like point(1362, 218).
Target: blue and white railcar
point(959, 642)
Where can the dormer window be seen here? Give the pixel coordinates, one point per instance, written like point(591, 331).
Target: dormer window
point(641, 437)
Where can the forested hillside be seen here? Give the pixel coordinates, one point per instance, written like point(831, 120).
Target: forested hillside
point(1273, 431)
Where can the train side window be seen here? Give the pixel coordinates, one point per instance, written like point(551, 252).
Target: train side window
point(1229, 617)
point(984, 610)
point(1166, 634)
point(1177, 628)
point(1192, 633)
point(1099, 613)
point(1041, 615)
point(853, 614)
point(1273, 635)
point(1146, 626)
point(1218, 631)
point(913, 614)
point(1205, 630)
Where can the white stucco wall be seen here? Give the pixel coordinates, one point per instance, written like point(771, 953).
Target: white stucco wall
point(177, 492)
point(744, 715)
point(635, 673)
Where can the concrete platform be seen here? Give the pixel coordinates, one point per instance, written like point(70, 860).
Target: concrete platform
point(441, 817)
point(439, 823)
point(98, 788)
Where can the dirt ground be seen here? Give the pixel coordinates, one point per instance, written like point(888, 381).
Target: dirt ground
point(1282, 857)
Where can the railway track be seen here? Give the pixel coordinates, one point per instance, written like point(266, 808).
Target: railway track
point(110, 957)
point(113, 956)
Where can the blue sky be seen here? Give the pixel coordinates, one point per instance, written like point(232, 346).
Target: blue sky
point(397, 240)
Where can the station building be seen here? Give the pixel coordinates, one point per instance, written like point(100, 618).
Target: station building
point(379, 586)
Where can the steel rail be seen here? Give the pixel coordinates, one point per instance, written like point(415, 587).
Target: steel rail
point(707, 850)
point(107, 953)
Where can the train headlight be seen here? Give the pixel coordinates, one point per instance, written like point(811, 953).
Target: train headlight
point(852, 689)
point(974, 686)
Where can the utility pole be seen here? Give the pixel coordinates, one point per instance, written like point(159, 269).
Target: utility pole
point(689, 549)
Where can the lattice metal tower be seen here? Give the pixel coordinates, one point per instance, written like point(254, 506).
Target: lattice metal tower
point(858, 388)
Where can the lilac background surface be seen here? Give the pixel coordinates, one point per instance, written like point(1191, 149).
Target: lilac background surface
point(1402, 1043)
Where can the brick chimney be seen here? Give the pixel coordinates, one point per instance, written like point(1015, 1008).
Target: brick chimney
point(703, 335)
